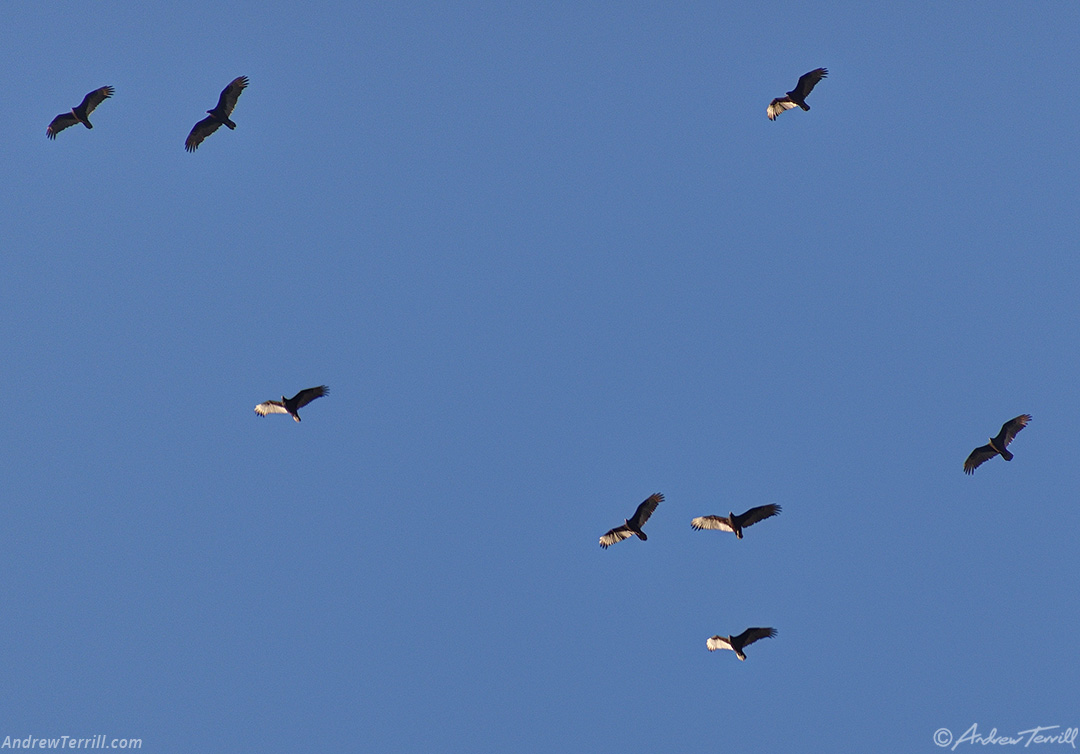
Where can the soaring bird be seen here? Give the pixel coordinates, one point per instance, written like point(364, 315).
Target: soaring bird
point(797, 96)
point(736, 523)
point(747, 637)
point(291, 405)
point(997, 444)
point(218, 116)
point(633, 524)
point(80, 113)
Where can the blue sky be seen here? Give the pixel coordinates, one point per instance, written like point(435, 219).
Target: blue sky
point(549, 261)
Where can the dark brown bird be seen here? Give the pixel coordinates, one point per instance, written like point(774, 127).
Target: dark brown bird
point(997, 444)
point(736, 523)
point(80, 113)
point(633, 524)
point(291, 405)
point(746, 638)
point(797, 96)
point(219, 116)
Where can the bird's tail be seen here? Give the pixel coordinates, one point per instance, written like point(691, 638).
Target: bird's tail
point(230, 124)
point(86, 122)
point(641, 534)
point(804, 106)
point(1006, 454)
point(296, 417)
point(739, 654)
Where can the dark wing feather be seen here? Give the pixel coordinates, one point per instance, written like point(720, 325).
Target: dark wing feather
point(618, 534)
point(978, 457)
point(95, 98)
point(750, 635)
point(202, 129)
point(808, 81)
point(227, 101)
point(754, 515)
point(641, 515)
point(305, 397)
point(60, 122)
point(719, 523)
point(1011, 428)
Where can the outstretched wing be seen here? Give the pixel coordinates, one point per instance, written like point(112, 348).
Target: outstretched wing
point(641, 515)
point(718, 523)
point(305, 397)
point(1010, 429)
point(750, 635)
point(714, 643)
point(978, 457)
point(227, 101)
point(270, 407)
point(808, 81)
point(618, 534)
point(60, 122)
point(202, 129)
point(779, 105)
point(754, 515)
point(95, 98)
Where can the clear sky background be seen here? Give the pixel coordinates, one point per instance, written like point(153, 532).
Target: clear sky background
point(549, 260)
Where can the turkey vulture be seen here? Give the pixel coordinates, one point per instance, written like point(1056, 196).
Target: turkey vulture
point(997, 444)
point(80, 113)
point(633, 524)
point(291, 405)
point(747, 637)
point(797, 96)
point(736, 523)
point(218, 116)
